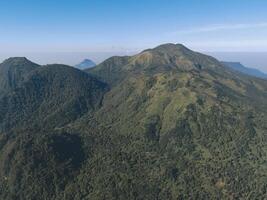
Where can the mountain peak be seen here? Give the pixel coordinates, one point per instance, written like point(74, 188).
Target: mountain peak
point(17, 61)
point(171, 51)
point(172, 56)
point(163, 58)
point(13, 71)
point(87, 60)
point(170, 48)
point(86, 63)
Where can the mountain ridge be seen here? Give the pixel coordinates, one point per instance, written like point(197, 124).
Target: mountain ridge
point(237, 66)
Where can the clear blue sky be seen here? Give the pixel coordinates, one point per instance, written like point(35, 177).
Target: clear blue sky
point(107, 25)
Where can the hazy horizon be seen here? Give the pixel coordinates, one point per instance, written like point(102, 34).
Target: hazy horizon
point(255, 60)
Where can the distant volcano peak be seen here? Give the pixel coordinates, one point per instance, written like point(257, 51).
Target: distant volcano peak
point(86, 63)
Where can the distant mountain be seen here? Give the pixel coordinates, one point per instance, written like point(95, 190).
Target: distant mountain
point(167, 123)
point(87, 63)
point(249, 71)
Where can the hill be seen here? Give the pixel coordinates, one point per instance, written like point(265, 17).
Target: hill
point(50, 95)
point(249, 71)
point(169, 123)
point(13, 71)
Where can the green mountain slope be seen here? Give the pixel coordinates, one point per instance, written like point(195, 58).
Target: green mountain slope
point(13, 71)
point(190, 116)
point(174, 124)
point(37, 158)
point(51, 95)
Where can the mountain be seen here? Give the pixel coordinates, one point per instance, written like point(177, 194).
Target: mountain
point(164, 58)
point(86, 63)
point(241, 68)
point(187, 116)
point(167, 123)
point(52, 95)
point(13, 71)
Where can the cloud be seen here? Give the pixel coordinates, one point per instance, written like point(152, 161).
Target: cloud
point(220, 27)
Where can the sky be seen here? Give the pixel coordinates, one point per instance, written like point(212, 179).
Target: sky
point(71, 26)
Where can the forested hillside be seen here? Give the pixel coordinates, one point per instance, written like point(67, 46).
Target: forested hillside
point(167, 123)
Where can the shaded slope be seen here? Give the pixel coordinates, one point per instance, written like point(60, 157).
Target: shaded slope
point(38, 160)
point(111, 70)
point(52, 95)
point(39, 165)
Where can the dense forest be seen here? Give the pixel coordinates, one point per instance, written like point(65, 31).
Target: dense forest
point(167, 123)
